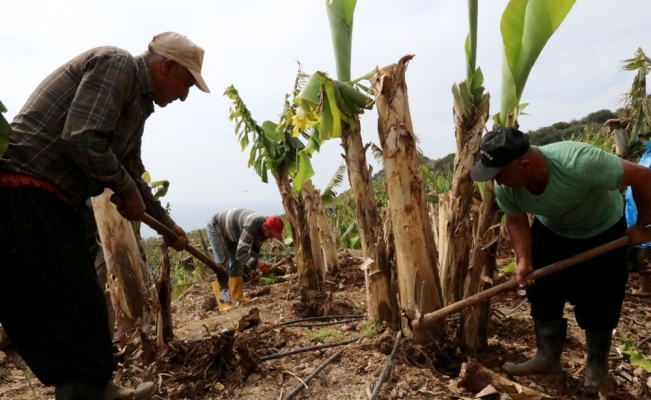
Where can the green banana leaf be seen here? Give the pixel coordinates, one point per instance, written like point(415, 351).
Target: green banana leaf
point(327, 102)
point(271, 131)
point(340, 16)
point(305, 170)
point(5, 130)
point(526, 27)
point(634, 355)
point(509, 269)
point(161, 188)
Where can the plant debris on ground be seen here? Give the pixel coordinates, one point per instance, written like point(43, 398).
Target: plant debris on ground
point(216, 355)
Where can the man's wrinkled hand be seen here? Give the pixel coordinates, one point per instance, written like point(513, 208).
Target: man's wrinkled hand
point(521, 271)
point(181, 243)
point(130, 206)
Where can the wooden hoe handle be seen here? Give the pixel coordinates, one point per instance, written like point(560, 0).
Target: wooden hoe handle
point(222, 275)
point(441, 313)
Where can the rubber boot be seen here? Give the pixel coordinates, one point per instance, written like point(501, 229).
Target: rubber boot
point(78, 391)
point(236, 285)
point(550, 337)
point(596, 367)
point(219, 293)
point(107, 391)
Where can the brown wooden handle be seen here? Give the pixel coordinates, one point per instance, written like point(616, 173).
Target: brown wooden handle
point(222, 275)
point(441, 313)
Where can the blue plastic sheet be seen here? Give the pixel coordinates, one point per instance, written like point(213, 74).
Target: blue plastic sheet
point(630, 209)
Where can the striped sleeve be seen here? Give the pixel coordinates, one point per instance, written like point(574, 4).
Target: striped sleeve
point(247, 248)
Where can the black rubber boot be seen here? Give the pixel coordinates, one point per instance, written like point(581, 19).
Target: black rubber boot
point(550, 337)
point(596, 367)
point(78, 391)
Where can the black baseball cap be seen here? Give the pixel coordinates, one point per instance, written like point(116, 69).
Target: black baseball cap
point(498, 148)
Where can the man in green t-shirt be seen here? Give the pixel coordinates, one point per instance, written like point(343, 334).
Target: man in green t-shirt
point(572, 189)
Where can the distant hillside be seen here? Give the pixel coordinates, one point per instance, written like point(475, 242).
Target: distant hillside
point(590, 124)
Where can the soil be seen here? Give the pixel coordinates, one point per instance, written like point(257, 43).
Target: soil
point(216, 355)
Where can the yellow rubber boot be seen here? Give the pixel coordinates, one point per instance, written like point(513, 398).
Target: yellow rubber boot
point(236, 285)
point(215, 289)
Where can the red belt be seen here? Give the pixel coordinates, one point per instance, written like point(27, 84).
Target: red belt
point(9, 179)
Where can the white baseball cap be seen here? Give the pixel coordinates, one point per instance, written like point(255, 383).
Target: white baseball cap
point(179, 48)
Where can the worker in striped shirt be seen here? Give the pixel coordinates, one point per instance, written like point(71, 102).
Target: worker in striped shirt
point(237, 235)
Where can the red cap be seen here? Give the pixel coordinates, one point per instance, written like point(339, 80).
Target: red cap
point(276, 224)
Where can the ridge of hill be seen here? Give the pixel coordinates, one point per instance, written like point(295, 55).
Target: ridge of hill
point(589, 125)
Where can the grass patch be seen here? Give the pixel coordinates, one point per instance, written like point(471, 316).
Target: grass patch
point(319, 335)
point(371, 330)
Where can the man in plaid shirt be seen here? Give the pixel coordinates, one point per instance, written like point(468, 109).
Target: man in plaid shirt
point(79, 133)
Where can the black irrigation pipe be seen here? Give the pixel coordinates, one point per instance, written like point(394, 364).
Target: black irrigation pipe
point(304, 349)
point(312, 375)
point(320, 318)
point(343, 321)
point(643, 341)
point(517, 307)
point(386, 368)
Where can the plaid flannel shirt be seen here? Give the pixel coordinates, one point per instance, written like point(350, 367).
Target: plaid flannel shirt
point(243, 227)
point(81, 129)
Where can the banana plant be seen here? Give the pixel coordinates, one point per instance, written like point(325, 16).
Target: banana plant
point(325, 105)
point(274, 147)
point(5, 130)
point(633, 128)
point(526, 27)
point(329, 193)
point(456, 240)
point(332, 108)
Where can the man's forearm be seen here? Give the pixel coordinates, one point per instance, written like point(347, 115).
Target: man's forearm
point(638, 178)
point(642, 198)
point(520, 234)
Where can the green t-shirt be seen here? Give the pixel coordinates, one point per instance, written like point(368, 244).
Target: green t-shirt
point(581, 199)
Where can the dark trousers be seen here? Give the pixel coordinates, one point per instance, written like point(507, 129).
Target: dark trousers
point(595, 287)
point(51, 304)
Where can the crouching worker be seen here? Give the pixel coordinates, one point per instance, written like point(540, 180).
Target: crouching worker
point(79, 133)
point(572, 189)
point(237, 236)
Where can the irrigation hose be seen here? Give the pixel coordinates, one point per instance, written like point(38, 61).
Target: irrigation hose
point(386, 368)
point(312, 375)
point(304, 349)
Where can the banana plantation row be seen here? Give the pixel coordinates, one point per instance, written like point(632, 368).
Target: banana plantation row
point(436, 254)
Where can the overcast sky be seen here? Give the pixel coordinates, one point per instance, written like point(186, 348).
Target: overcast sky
point(255, 44)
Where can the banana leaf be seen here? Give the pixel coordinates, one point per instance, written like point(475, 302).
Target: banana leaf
point(161, 188)
point(526, 27)
point(340, 16)
point(327, 102)
point(305, 170)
